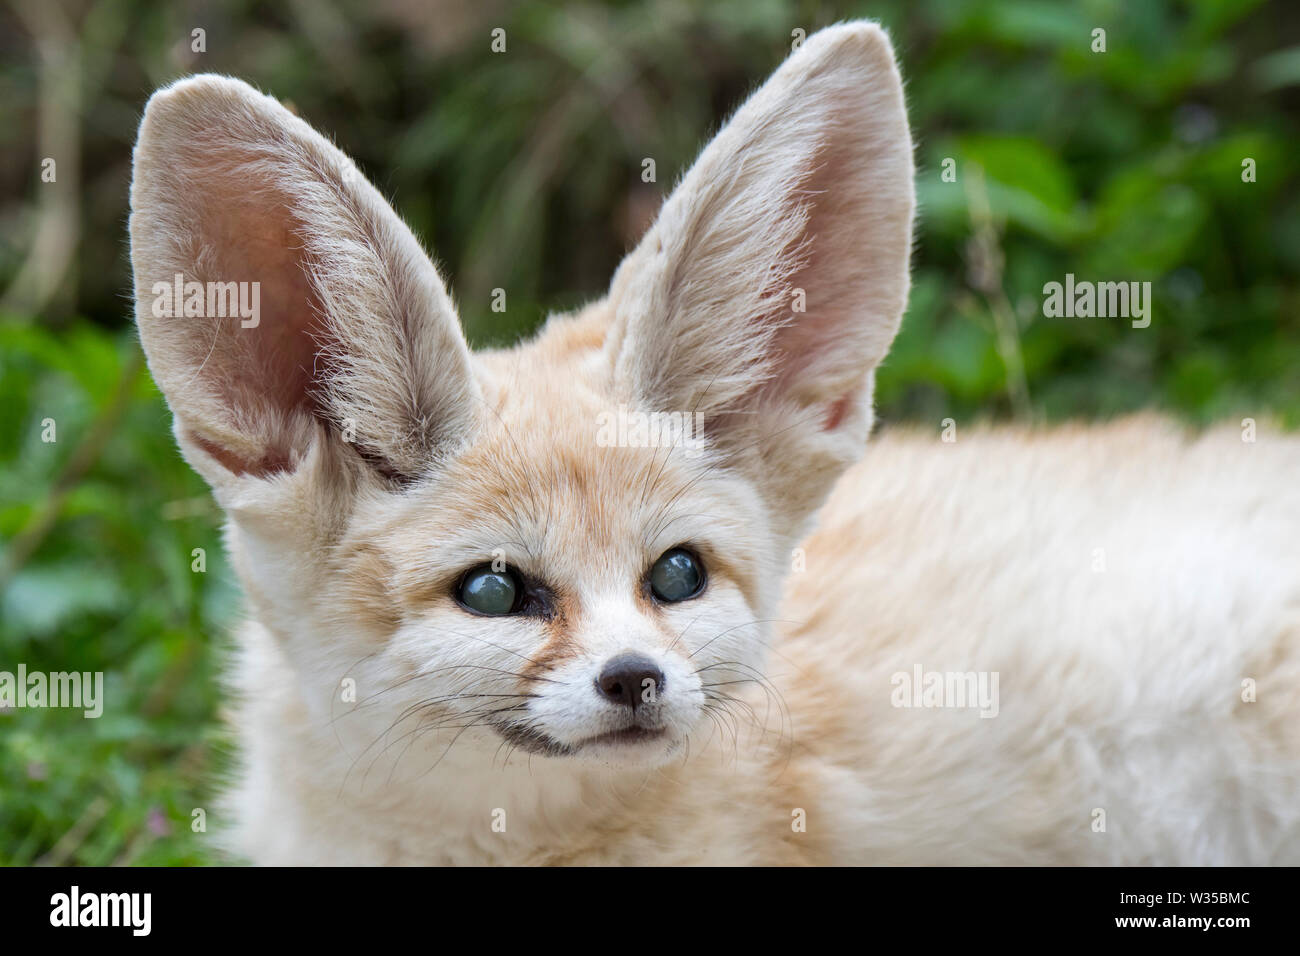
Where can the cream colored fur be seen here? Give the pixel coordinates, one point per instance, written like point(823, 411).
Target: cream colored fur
point(366, 458)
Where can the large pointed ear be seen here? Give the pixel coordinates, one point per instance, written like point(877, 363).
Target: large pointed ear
point(775, 277)
point(280, 300)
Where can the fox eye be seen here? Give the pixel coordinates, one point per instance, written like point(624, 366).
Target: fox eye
point(486, 591)
point(676, 576)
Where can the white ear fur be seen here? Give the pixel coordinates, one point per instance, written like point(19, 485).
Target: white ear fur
point(356, 333)
point(806, 191)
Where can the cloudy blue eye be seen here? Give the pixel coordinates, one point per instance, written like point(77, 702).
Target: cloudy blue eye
point(676, 576)
point(489, 592)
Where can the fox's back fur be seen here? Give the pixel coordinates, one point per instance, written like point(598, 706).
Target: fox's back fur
point(1125, 581)
point(1134, 590)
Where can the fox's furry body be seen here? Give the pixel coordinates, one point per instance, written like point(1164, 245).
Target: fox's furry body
point(1123, 581)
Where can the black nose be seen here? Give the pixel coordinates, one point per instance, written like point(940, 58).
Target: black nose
point(630, 679)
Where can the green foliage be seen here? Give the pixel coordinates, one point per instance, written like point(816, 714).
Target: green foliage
point(106, 586)
point(523, 171)
point(1123, 165)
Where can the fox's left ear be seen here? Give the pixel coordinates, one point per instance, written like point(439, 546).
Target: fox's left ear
point(776, 275)
point(350, 348)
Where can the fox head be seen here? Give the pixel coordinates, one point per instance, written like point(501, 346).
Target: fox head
point(576, 546)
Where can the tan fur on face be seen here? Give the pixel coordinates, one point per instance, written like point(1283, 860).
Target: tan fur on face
point(367, 460)
point(587, 521)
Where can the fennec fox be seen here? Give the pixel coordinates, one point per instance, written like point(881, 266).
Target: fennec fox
point(639, 591)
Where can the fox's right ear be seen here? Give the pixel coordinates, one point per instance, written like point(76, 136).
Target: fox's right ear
point(771, 285)
point(306, 310)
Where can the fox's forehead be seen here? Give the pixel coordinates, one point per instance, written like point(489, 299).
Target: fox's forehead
point(564, 366)
point(542, 482)
point(558, 450)
point(550, 485)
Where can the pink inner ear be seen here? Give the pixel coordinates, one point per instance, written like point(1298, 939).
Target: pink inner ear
point(274, 360)
point(263, 374)
point(274, 461)
point(835, 414)
point(818, 352)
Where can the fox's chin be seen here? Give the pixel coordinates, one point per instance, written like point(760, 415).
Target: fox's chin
point(629, 746)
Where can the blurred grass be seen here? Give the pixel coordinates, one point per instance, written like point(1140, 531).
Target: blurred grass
point(522, 171)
